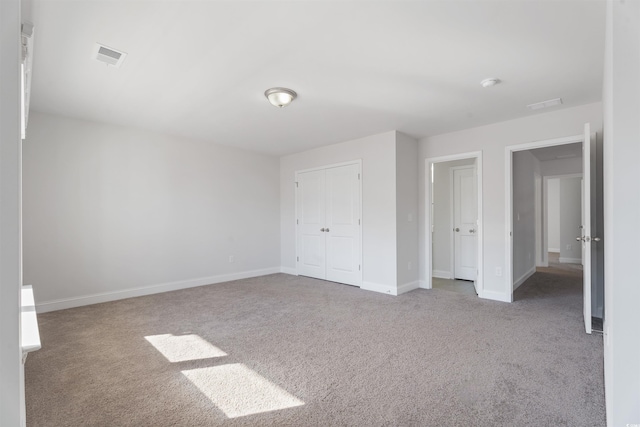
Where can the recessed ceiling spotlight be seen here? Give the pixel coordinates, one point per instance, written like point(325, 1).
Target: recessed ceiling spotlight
point(545, 104)
point(491, 81)
point(280, 96)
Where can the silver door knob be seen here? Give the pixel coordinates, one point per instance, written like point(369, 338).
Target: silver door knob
point(327, 230)
point(472, 231)
point(579, 239)
point(456, 229)
point(596, 239)
point(322, 230)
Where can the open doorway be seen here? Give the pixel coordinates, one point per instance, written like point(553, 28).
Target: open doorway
point(454, 223)
point(552, 215)
point(562, 202)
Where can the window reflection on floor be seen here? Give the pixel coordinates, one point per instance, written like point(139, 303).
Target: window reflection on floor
point(182, 348)
point(239, 391)
point(234, 388)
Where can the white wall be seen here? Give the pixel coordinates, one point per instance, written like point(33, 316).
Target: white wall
point(110, 210)
point(442, 216)
point(570, 166)
point(553, 214)
point(570, 219)
point(492, 140)
point(407, 212)
point(11, 370)
point(525, 165)
point(378, 154)
point(621, 213)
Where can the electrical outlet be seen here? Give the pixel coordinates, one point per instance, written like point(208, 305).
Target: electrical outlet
point(231, 258)
point(498, 271)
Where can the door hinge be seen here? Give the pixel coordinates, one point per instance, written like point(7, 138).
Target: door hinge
point(358, 176)
point(298, 258)
point(358, 268)
point(296, 184)
point(358, 221)
point(297, 221)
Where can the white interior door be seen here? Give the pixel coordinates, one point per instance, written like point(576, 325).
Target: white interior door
point(343, 224)
point(328, 229)
point(464, 223)
point(586, 226)
point(311, 218)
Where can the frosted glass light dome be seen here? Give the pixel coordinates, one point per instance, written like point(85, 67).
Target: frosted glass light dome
point(280, 96)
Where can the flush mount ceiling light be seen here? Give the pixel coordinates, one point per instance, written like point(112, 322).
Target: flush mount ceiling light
point(491, 81)
point(280, 96)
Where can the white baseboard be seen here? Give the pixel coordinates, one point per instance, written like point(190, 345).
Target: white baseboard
point(377, 287)
point(523, 278)
point(407, 287)
point(570, 260)
point(496, 296)
point(440, 274)
point(422, 284)
point(553, 250)
point(64, 303)
point(288, 270)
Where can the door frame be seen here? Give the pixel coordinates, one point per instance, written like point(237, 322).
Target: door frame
point(452, 216)
point(545, 213)
point(295, 212)
point(429, 162)
point(508, 184)
point(540, 223)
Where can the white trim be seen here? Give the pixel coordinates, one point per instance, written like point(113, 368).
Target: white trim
point(441, 274)
point(288, 270)
point(330, 166)
point(496, 296)
point(64, 303)
point(407, 287)
point(539, 218)
point(563, 260)
point(427, 216)
point(524, 278)
point(295, 209)
point(508, 184)
point(377, 287)
point(555, 250)
point(29, 323)
point(422, 284)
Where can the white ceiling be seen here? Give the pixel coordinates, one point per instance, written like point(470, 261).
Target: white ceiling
point(557, 152)
point(200, 68)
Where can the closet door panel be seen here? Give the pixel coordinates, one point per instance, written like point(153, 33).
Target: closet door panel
point(343, 224)
point(311, 218)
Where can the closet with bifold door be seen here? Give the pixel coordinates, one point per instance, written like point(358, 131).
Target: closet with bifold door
point(328, 223)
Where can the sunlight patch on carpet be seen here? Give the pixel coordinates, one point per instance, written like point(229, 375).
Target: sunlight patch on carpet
point(239, 391)
point(182, 348)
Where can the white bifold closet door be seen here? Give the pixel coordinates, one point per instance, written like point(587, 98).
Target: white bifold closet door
point(328, 224)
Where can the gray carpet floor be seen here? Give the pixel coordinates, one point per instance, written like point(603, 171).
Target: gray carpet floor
point(453, 285)
point(281, 350)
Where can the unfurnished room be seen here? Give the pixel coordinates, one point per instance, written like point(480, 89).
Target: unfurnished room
point(319, 213)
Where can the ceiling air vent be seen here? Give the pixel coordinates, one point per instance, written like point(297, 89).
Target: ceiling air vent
point(108, 55)
point(545, 104)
